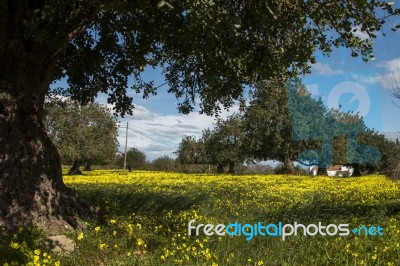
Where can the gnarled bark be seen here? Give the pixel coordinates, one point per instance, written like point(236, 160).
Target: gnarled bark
point(32, 192)
point(31, 188)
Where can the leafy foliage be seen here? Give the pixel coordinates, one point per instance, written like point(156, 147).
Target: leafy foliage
point(285, 123)
point(221, 146)
point(277, 112)
point(224, 144)
point(191, 151)
point(206, 48)
point(82, 134)
point(164, 163)
point(135, 159)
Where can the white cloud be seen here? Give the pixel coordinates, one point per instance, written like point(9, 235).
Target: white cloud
point(391, 74)
point(391, 65)
point(139, 112)
point(364, 79)
point(324, 69)
point(159, 134)
point(142, 113)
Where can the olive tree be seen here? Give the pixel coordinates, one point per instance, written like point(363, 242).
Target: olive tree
point(208, 50)
point(82, 134)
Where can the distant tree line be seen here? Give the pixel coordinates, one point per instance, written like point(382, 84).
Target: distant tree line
point(136, 160)
point(283, 122)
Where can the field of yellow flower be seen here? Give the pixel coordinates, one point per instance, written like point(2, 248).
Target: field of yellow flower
point(147, 215)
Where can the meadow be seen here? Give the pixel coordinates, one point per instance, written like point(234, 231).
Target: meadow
point(147, 215)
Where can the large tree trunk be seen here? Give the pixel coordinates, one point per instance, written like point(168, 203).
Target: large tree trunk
point(88, 167)
point(220, 168)
point(231, 167)
point(288, 166)
point(32, 192)
point(31, 187)
point(357, 170)
point(75, 169)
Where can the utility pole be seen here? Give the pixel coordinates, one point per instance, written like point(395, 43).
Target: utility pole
point(126, 144)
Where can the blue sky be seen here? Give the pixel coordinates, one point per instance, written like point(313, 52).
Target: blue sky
point(338, 79)
point(359, 86)
point(156, 127)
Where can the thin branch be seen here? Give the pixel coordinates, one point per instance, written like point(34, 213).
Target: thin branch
point(395, 91)
point(272, 13)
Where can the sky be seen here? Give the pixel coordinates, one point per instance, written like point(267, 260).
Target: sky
point(156, 127)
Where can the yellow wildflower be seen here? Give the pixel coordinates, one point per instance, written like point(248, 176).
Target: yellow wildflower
point(80, 236)
point(15, 245)
point(102, 246)
point(140, 242)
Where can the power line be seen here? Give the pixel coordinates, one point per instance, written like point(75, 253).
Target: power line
point(157, 140)
point(160, 135)
point(154, 133)
point(149, 137)
point(144, 134)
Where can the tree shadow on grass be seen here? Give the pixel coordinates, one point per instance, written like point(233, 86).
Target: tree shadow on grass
point(121, 200)
point(151, 203)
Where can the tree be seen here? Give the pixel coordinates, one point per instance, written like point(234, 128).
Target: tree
point(135, 159)
point(395, 91)
point(285, 123)
point(191, 151)
point(206, 49)
point(164, 163)
point(278, 116)
point(390, 151)
point(344, 140)
point(224, 144)
point(82, 134)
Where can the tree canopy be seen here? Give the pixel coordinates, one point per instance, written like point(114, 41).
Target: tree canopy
point(135, 159)
point(191, 151)
point(284, 123)
point(277, 109)
point(164, 163)
point(82, 134)
point(224, 145)
point(208, 50)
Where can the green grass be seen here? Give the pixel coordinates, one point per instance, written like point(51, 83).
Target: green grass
point(148, 212)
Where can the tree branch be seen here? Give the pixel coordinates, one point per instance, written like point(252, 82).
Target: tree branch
point(272, 13)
